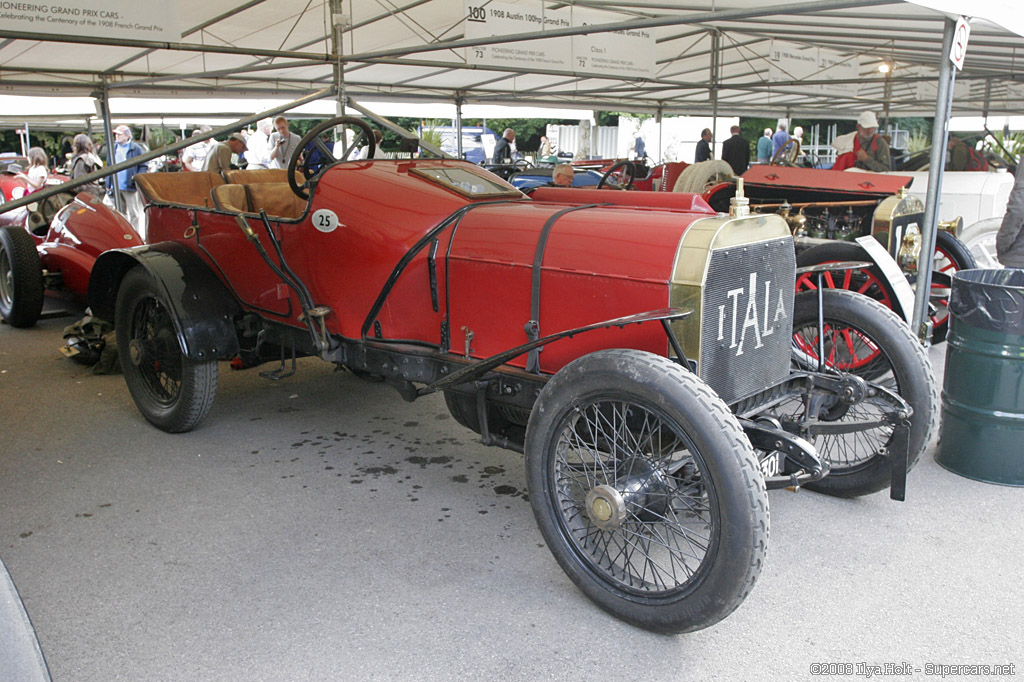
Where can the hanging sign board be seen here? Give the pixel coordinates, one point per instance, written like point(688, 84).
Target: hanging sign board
point(125, 19)
point(959, 49)
point(792, 62)
point(628, 54)
point(488, 19)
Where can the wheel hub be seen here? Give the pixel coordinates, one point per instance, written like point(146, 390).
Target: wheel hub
point(135, 352)
point(852, 390)
point(641, 489)
point(606, 507)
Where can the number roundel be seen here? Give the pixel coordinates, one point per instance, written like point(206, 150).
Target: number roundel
point(325, 220)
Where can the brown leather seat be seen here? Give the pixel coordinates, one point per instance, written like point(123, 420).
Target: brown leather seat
point(260, 176)
point(182, 188)
point(277, 199)
point(232, 198)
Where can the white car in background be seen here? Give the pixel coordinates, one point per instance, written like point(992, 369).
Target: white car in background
point(979, 197)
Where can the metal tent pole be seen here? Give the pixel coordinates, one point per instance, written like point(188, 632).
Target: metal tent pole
point(108, 133)
point(337, 26)
point(661, 134)
point(458, 127)
point(716, 40)
point(937, 162)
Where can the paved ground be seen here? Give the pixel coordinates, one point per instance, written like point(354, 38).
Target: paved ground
point(319, 528)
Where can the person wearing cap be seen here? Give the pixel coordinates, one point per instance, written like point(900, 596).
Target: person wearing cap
point(764, 147)
point(871, 150)
point(283, 143)
point(126, 148)
point(219, 157)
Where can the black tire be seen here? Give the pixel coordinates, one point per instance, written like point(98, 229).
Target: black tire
point(171, 391)
point(870, 282)
point(664, 453)
point(869, 340)
point(21, 278)
point(951, 256)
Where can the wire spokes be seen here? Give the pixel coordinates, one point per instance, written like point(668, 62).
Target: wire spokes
point(644, 465)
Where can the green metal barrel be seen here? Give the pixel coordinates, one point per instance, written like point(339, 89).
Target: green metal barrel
point(982, 434)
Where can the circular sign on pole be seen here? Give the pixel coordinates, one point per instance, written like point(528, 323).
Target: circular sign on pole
point(959, 49)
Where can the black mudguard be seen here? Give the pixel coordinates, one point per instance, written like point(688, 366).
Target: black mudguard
point(203, 308)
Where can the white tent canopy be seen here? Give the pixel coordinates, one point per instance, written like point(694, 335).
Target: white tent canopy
point(704, 58)
point(16, 110)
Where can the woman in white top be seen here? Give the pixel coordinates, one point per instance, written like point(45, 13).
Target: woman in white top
point(38, 169)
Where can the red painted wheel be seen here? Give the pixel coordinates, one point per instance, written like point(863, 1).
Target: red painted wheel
point(846, 348)
point(951, 256)
point(860, 281)
point(869, 282)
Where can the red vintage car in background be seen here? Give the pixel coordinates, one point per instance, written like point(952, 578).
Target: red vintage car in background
point(14, 185)
point(649, 356)
point(827, 212)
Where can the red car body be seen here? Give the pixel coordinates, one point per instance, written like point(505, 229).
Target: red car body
point(648, 355)
point(347, 269)
point(78, 234)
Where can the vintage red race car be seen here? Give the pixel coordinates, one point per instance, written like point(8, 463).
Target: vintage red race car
point(649, 356)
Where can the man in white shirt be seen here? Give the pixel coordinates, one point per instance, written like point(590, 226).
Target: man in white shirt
point(258, 154)
point(194, 156)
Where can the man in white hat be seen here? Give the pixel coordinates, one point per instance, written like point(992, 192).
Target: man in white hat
point(871, 149)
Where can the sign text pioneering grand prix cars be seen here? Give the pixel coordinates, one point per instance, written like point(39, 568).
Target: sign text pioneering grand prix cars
point(647, 354)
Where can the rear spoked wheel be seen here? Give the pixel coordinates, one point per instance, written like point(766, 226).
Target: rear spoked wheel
point(866, 341)
point(172, 391)
point(646, 490)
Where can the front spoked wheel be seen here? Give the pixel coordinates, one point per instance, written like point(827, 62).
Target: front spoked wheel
point(866, 341)
point(172, 391)
point(646, 490)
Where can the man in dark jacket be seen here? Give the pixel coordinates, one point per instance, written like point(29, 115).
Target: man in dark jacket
point(736, 151)
point(503, 150)
point(126, 148)
point(704, 146)
point(1010, 238)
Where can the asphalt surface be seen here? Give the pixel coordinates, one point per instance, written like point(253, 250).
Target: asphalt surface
point(320, 528)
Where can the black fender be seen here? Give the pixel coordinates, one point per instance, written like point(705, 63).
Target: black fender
point(203, 308)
